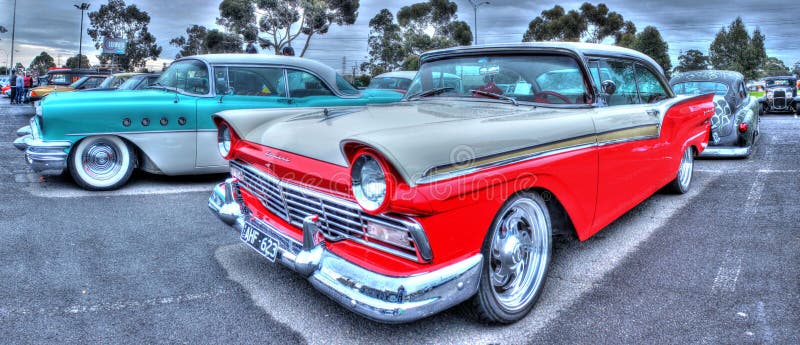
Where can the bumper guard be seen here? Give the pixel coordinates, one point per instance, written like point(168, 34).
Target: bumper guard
point(44, 157)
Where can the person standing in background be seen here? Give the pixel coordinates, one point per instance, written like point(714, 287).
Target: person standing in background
point(28, 85)
point(20, 87)
point(12, 95)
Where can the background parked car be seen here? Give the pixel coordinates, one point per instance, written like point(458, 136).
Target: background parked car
point(397, 81)
point(139, 81)
point(167, 128)
point(734, 126)
point(112, 82)
point(781, 95)
point(65, 80)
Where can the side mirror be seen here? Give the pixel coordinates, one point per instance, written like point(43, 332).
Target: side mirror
point(608, 87)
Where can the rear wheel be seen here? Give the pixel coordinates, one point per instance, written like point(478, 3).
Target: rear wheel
point(101, 163)
point(517, 253)
point(683, 181)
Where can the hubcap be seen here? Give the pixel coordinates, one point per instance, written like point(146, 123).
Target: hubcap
point(519, 254)
point(101, 160)
point(686, 168)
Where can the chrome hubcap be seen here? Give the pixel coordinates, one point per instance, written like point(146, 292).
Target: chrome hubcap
point(101, 160)
point(685, 171)
point(519, 254)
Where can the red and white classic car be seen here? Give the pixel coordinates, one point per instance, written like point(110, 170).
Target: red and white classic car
point(400, 211)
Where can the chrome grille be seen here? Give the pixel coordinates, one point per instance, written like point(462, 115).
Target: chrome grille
point(779, 94)
point(338, 219)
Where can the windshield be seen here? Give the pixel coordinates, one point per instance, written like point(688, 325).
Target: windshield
point(778, 82)
point(526, 78)
point(700, 88)
point(190, 76)
point(78, 82)
point(107, 83)
point(390, 83)
point(344, 86)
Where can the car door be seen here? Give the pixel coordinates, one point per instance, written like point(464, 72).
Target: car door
point(630, 157)
point(237, 87)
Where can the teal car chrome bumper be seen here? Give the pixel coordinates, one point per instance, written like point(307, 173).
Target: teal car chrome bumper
point(44, 157)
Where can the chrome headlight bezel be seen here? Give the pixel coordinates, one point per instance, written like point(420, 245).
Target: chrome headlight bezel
point(370, 182)
point(224, 139)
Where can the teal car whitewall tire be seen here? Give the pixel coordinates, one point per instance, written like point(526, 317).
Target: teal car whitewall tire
point(101, 162)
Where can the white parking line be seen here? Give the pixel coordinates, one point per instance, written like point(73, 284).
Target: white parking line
point(576, 269)
point(45, 190)
point(766, 330)
point(110, 306)
point(728, 273)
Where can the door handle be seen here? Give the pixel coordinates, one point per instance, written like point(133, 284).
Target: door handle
point(653, 112)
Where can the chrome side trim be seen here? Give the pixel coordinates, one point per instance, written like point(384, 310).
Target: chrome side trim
point(431, 177)
point(133, 132)
point(625, 140)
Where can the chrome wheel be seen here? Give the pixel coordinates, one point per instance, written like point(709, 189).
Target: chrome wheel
point(101, 163)
point(520, 253)
point(685, 170)
point(101, 160)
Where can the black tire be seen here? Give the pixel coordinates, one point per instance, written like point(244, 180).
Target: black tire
point(495, 301)
point(683, 180)
point(101, 163)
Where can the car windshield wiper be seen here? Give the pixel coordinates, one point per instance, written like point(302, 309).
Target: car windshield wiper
point(430, 92)
point(496, 96)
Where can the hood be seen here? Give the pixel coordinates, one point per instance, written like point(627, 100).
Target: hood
point(379, 93)
point(112, 95)
point(44, 90)
point(413, 136)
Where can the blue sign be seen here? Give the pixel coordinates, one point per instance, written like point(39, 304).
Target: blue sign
point(114, 45)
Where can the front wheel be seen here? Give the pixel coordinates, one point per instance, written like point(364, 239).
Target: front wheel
point(101, 163)
point(516, 254)
point(682, 182)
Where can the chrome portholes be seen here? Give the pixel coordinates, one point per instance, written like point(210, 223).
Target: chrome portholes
point(519, 254)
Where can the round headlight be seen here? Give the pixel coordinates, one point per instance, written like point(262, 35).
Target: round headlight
point(369, 182)
point(224, 139)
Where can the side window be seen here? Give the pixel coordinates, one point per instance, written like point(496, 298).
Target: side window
point(622, 74)
point(742, 91)
point(650, 88)
point(92, 83)
point(255, 81)
point(304, 84)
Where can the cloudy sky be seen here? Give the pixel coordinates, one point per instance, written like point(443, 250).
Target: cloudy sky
point(54, 25)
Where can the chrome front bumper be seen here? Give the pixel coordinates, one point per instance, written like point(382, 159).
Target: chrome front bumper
point(44, 157)
point(375, 296)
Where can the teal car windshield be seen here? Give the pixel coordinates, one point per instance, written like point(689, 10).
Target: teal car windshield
point(190, 76)
point(700, 88)
point(528, 78)
point(344, 86)
point(78, 82)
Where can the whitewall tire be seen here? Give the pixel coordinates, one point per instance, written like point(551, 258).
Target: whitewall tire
point(101, 163)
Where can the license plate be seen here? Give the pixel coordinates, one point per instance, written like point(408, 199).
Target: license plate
point(260, 241)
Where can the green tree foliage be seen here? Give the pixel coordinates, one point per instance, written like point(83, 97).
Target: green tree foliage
point(3, 30)
point(427, 25)
point(42, 62)
point(795, 69)
point(649, 42)
point(200, 40)
point(774, 67)
point(588, 24)
point(626, 36)
point(72, 62)
point(362, 80)
point(691, 60)
point(734, 49)
point(283, 21)
point(115, 19)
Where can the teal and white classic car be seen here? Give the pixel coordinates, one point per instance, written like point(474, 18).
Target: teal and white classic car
point(167, 129)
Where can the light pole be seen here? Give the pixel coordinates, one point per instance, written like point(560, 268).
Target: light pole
point(83, 7)
point(13, 30)
point(475, 4)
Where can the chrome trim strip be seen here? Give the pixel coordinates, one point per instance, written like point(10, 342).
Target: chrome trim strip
point(718, 151)
point(518, 159)
point(626, 140)
point(137, 132)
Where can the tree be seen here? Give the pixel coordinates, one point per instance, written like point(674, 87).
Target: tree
point(116, 20)
point(734, 49)
point(691, 60)
point(200, 40)
point(626, 36)
point(590, 24)
point(72, 62)
point(795, 69)
point(774, 67)
point(649, 42)
point(42, 62)
point(3, 30)
point(283, 21)
point(427, 25)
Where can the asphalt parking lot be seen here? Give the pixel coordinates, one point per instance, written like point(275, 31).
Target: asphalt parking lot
point(150, 264)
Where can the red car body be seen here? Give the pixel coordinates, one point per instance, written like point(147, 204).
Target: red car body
point(593, 183)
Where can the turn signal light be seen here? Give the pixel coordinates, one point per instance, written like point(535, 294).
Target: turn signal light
point(743, 127)
point(33, 94)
